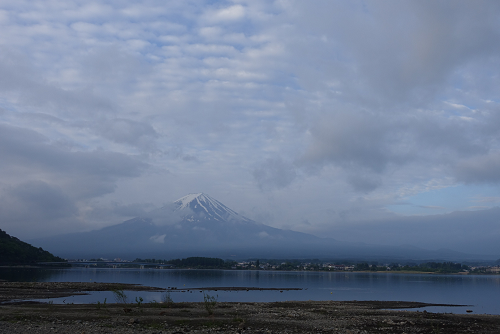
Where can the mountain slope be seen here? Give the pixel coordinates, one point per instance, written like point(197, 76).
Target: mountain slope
point(15, 251)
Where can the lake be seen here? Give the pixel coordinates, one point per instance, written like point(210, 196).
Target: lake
point(480, 292)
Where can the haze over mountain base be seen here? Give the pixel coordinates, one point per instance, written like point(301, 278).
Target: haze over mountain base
point(198, 225)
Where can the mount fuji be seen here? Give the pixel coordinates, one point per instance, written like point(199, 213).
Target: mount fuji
point(199, 225)
point(194, 225)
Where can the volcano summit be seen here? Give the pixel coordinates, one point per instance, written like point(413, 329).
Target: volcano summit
point(198, 207)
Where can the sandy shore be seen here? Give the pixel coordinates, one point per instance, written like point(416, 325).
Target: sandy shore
point(280, 317)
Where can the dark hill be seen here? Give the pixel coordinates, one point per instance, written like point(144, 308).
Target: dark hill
point(15, 251)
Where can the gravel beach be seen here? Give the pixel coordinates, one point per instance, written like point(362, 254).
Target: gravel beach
point(278, 317)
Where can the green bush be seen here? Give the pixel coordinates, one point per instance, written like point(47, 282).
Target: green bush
point(209, 302)
point(120, 296)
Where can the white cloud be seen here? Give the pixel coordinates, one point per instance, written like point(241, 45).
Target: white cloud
point(160, 239)
point(211, 32)
point(263, 235)
point(232, 13)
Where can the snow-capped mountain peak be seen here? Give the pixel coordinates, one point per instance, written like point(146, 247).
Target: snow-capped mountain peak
point(206, 207)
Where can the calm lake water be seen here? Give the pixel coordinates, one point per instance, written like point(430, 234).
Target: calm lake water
point(481, 293)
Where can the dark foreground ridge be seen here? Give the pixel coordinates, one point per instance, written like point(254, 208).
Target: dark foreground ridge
point(15, 251)
point(217, 317)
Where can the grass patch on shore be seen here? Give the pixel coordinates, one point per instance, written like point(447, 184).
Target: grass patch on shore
point(155, 325)
point(238, 319)
point(182, 322)
point(213, 324)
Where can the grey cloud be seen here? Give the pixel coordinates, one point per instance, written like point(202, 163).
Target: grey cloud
point(475, 232)
point(127, 131)
point(177, 152)
point(382, 69)
point(112, 67)
point(449, 136)
point(262, 216)
point(274, 173)
point(351, 139)
point(36, 200)
point(132, 210)
point(396, 52)
point(364, 181)
point(371, 145)
point(306, 222)
point(42, 117)
point(119, 130)
point(29, 149)
point(366, 146)
point(113, 213)
point(189, 158)
point(479, 169)
point(18, 76)
point(36, 208)
point(433, 207)
point(32, 166)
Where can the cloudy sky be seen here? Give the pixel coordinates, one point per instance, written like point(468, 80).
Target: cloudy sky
point(326, 117)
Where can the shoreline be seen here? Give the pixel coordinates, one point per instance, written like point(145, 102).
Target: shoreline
point(221, 317)
point(401, 272)
point(12, 291)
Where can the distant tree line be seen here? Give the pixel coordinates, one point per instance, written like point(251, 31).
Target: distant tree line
point(193, 262)
point(437, 267)
point(309, 264)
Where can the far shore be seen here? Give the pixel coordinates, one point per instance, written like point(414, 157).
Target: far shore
point(273, 270)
